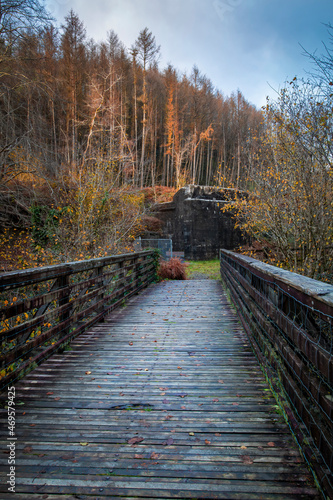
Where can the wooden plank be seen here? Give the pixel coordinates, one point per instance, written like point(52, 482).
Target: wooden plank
point(165, 399)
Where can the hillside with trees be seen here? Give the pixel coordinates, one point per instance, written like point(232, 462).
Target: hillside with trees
point(92, 133)
point(86, 127)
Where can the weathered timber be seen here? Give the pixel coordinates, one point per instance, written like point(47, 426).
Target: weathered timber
point(43, 309)
point(289, 321)
point(164, 399)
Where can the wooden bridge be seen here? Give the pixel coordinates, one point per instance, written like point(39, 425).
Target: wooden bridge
point(163, 397)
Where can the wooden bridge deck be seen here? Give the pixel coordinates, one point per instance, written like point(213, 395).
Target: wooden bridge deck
point(163, 400)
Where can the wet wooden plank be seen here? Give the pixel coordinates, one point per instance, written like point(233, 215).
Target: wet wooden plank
point(165, 399)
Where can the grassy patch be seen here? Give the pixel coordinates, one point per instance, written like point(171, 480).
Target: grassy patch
point(206, 268)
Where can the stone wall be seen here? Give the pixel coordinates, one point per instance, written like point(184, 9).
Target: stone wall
point(195, 223)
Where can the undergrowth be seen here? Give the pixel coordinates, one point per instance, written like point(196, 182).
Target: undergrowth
point(173, 269)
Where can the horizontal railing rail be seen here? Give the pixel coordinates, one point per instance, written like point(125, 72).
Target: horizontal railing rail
point(289, 321)
point(42, 309)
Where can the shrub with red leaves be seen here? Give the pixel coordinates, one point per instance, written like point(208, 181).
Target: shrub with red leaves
point(173, 269)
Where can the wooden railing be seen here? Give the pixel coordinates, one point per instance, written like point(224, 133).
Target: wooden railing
point(42, 309)
point(289, 320)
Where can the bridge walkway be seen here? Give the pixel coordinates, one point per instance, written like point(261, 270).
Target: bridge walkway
point(164, 399)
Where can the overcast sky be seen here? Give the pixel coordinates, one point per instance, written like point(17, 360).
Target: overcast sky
point(250, 45)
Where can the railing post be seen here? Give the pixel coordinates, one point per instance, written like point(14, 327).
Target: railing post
point(62, 284)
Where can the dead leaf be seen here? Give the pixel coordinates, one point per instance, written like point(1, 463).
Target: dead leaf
point(154, 455)
point(215, 400)
point(191, 433)
point(49, 393)
point(218, 434)
point(243, 447)
point(179, 367)
point(168, 442)
point(246, 459)
point(135, 440)
point(221, 382)
point(206, 441)
point(271, 443)
point(138, 456)
point(88, 373)
point(56, 399)
point(27, 449)
point(130, 343)
point(84, 444)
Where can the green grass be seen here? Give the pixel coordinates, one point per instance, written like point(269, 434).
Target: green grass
point(208, 268)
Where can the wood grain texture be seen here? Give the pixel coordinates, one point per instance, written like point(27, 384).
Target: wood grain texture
point(164, 399)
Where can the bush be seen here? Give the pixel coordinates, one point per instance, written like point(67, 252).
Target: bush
point(172, 269)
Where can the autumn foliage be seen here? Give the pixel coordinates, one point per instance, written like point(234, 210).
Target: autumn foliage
point(173, 269)
point(289, 211)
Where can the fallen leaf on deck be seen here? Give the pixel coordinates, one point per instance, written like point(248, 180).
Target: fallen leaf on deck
point(138, 456)
point(84, 444)
point(49, 393)
point(135, 440)
point(154, 455)
point(215, 400)
point(246, 459)
point(88, 373)
point(221, 382)
point(168, 442)
point(243, 447)
point(271, 443)
point(206, 441)
point(191, 433)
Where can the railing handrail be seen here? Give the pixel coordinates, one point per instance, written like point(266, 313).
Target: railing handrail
point(289, 321)
point(54, 304)
point(320, 293)
point(44, 273)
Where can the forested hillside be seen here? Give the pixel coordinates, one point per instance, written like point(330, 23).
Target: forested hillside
point(86, 126)
point(91, 132)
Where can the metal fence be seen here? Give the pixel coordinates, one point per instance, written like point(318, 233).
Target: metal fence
point(163, 245)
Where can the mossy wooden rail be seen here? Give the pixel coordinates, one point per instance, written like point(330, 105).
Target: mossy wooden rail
point(42, 309)
point(289, 320)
